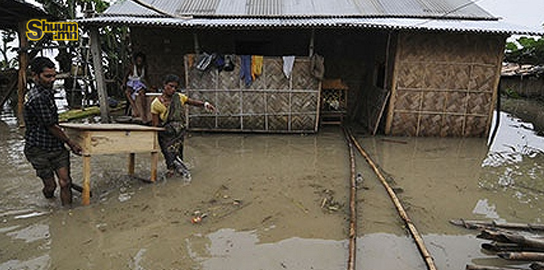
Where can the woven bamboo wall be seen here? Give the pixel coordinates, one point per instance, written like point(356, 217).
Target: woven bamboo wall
point(164, 52)
point(272, 103)
point(444, 84)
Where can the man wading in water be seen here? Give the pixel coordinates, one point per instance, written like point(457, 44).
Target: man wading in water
point(167, 111)
point(44, 139)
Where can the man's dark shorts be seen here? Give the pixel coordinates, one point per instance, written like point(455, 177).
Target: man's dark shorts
point(46, 162)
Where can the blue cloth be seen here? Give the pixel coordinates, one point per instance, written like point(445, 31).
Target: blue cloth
point(245, 69)
point(136, 86)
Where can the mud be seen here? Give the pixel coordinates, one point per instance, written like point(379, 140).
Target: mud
point(263, 196)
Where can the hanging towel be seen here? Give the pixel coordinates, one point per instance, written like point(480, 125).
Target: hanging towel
point(190, 60)
point(219, 62)
point(256, 66)
point(229, 62)
point(317, 66)
point(245, 69)
point(288, 62)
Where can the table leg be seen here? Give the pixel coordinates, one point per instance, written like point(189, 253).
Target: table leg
point(154, 161)
point(131, 158)
point(86, 194)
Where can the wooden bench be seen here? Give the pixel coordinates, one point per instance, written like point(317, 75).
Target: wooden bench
point(113, 139)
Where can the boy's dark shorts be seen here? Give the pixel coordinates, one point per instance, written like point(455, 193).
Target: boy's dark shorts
point(46, 162)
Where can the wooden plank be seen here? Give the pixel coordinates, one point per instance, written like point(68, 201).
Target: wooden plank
point(109, 127)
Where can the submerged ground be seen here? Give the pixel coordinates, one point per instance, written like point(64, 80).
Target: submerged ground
point(277, 202)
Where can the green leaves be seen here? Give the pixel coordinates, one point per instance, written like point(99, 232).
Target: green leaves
point(526, 50)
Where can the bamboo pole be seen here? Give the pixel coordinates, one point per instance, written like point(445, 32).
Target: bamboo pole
point(502, 247)
point(477, 267)
point(476, 224)
point(352, 206)
point(522, 256)
point(505, 237)
point(411, 227)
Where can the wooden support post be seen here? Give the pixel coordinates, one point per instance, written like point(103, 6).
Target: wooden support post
point(197, 46)
point(99, 75)
point(131, 158)
point(393, 89)
point(23, 64)
point(86, 194)
point(154, 161)
point(312, 41)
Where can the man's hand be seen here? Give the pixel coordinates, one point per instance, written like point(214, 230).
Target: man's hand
point(209, 107)
point(76, 149)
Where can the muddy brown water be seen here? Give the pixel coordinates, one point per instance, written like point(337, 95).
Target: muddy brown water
point(264, 199)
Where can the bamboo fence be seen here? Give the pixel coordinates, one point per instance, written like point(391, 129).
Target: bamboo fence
point(444, 85)
point(272, 103)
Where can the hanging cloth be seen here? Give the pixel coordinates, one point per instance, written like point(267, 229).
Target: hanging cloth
point(256, 66)
point(317, 66)
point(288, 62)
point(245, 69)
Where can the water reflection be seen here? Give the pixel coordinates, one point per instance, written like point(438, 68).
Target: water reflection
point(231, 249)
point(280, 180)
point(514, 164)
point(515, 140)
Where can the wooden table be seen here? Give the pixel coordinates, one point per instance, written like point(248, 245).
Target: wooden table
point(113, 139)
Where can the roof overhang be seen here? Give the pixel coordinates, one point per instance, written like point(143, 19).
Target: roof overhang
point(415, 24)
point(14, 11)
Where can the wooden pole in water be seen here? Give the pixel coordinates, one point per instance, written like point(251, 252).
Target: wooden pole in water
point(477, 267)
point(506, 237)
point(537, 266)
point(522, 256)
point(477, 224)
point(352, 207)
point(411, 227)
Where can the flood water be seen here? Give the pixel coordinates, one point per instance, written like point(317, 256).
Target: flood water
point(264, 200)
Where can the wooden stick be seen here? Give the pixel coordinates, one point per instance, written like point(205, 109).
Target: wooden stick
point(505, 237)
point(412, 228)
point(501, 247)
point(352, 207)
point(477, 224)
point(477, 267)
point(522, 256)
point(537, 266)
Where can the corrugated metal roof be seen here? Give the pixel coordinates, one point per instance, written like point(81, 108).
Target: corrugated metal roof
point(15, 11)
point(435, 15)
point(476, 26)
point(306, 8)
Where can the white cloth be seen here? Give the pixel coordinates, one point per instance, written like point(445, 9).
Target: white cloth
point(288, 62)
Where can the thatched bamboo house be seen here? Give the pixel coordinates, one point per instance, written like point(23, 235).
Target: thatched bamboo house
point(415, 68)
point(523, 80)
